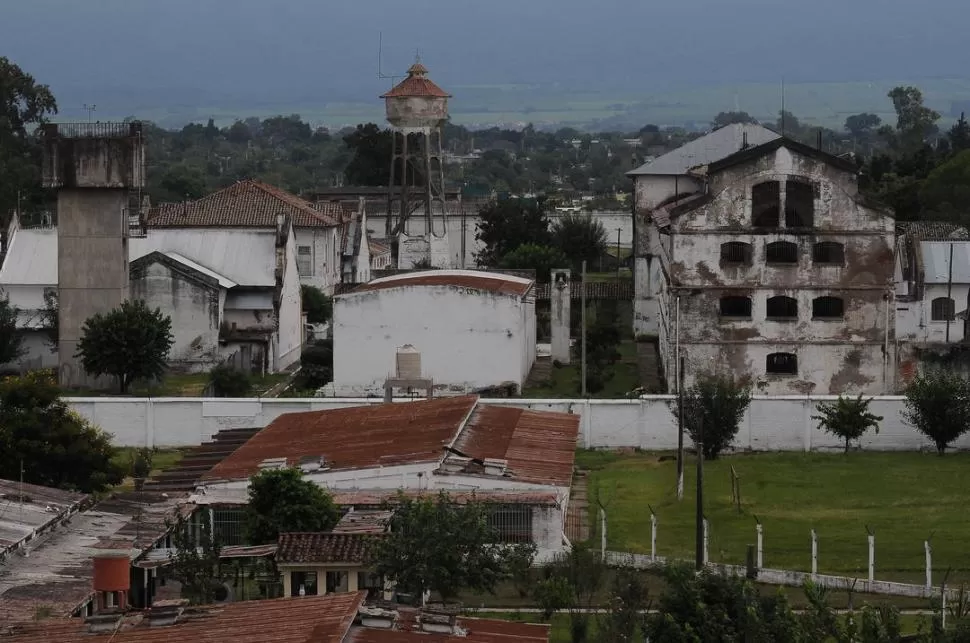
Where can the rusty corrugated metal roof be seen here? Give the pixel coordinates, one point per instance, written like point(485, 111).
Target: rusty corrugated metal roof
point(472, 279)
point(477, 630)
point(353, 438)
point(309, 619)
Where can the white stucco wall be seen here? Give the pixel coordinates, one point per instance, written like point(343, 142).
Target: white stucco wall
point(324, 256)
point(290, 337)
point(780, 423)
point(468, 339)
point(914, 319)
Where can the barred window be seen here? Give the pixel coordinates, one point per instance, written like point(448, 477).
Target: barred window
point(782, 364)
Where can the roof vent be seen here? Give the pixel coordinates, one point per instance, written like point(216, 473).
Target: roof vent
point(165, 613)
point(272, 464)
point(311, 463)
point(376, 617)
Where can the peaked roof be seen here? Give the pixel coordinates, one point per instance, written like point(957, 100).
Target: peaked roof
point(933, 230)
point(757, 151)
point(323, 547)
point(245, 204)
point(417, 84)
point(717, 145)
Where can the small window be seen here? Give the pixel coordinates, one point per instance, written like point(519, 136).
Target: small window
point(828, 308)
point(733, 306)
point(304, 260)
point(781, 364)
point(799, 204)
point(828, 252)
point(942, 309)
point(766, 205)
point(306, 580)
point(781, 252)
point(782, 308)
point(735, 252)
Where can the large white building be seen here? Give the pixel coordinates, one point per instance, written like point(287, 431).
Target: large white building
point(473, 330)
point(765, 263)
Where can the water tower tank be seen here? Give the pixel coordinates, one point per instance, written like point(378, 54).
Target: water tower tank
point(112, 572)
point(408, 363)
point(416, 102)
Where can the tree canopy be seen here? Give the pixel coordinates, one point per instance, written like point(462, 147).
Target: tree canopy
point(282, 501)
point(11, 338)
point(55, 446)
point(128, 343)
point(509, 223)
point(712, 413)
point(580, 238)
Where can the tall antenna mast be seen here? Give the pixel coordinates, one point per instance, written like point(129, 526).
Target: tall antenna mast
point(380, 60)
point(783, 106)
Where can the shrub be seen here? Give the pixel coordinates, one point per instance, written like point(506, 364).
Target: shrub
point(713, 409)
point(227, 381)
point(316, 365)
point(317, 306)
point(849, 418)
point(938, 406)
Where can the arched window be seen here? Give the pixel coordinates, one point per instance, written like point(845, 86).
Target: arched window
point(781, 364)
point(942, 309)
point(782, 308)
point(828, 308)
point(781, 252)
point(735, 252)
point(766, 205)
point(734, 306)
point(799, 204)
point(828, 252)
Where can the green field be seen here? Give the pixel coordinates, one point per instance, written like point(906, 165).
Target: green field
point(564, 381)
point(904, 498)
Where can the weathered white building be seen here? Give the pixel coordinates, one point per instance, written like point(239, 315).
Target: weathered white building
point(767, 264)
point(518, 461)
point(473, 330)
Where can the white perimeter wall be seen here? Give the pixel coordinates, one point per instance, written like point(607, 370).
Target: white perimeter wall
point(771, 423)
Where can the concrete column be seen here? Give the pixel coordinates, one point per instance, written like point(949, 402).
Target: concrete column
point(560, 304)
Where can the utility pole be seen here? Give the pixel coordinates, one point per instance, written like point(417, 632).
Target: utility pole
point(582, 299)
point(680, 431)
point(699, 445)
point(618, 252)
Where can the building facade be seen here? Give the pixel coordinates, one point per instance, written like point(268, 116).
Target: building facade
point(772, 268)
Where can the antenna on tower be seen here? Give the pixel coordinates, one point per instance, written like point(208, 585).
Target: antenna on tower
point(783, 106)
point(380, 60)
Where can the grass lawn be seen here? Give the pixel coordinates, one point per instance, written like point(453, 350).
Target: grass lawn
point(903, 497)
point(564, 381)
point(183, 385)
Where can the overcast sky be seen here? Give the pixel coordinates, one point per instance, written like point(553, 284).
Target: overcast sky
point(280, 51)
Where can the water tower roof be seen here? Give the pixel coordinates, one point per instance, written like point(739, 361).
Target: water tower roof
point(417, 84)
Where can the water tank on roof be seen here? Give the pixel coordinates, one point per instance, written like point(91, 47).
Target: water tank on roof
point(408, 363)
point(112, 572)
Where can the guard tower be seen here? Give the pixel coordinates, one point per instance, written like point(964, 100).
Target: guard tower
point(98, 170)
point(416, 109)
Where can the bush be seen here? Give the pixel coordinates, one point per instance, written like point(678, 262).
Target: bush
point(317, 306)
point(316, 365)
point(713, 409)
point(227, 381)
point(849, 418)
point(938, 406)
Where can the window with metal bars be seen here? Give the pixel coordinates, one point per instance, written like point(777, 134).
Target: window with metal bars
point(828, 252)
point(828, 308)
point(942, 309)
point(782, 308)
point(766, 205)
point(304, 260)
point(736, 306)
point(781, 364)
point(512, 523)
point(735, 252)
point(781, 252)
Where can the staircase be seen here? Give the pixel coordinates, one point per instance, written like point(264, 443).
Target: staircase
point(648, 367)
point(199, 460)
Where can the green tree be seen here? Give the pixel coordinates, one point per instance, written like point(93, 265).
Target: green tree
point(438, 545)
point(530, 256)
point(55, 446)
point(194, 559)
point(11, 338)
point(128, 343)
point(946, 191)
point(959, 134)
point(183, 182)
point(938, 406)
point(282, 501)
point(23, 104)
point(573, 581)
point(915, 123)
point(227, 381)
point(316, 365)
point(371, 149)
point(730, 118)
point(580, 238)
point(624, 620)
point(506, 224)
point(317, 306)
point(861, 126)
point(714, 407)
point(849, 418)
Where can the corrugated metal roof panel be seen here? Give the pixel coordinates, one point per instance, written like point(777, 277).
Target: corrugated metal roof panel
point(936, 261)
point(717, 145)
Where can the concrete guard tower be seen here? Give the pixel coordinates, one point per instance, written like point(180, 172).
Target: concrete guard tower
point(98, 170)
point(417, 109)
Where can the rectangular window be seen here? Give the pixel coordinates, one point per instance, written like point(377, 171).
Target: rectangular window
point(306, 580)
point(304, 260)
point(513, 523)
point(336, 582)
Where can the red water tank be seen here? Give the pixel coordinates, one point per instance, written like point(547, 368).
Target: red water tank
point(112, 573)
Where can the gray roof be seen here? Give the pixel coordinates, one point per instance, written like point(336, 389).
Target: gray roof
point(717, 145)
point(932, 230)
point(936, 261)
point(31, 258)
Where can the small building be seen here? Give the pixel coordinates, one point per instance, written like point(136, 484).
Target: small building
point(314, 563)
point(518, 461)
point(473, 331)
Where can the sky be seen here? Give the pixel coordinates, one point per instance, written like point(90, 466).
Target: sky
point(183, 52)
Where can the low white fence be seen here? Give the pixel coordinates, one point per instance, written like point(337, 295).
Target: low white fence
point(770, 424)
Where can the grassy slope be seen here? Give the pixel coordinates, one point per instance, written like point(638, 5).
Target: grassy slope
point(903, 497)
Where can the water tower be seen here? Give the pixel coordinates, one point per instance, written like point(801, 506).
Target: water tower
point(417, 109)
point(98, 170)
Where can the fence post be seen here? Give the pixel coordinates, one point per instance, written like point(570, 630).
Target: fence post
point(761, 543)
point(706, 558)
point(603, 534)
point(653, 536)
point(872, 555)
point(814, 553)
point(929, 564)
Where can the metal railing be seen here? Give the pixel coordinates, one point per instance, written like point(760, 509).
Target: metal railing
point(92, 130)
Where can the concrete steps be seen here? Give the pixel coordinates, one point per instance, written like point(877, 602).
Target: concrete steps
point(197, 461)
point(648, 367)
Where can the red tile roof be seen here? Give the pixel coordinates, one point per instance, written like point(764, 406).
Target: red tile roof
point(354, 438)
point(477, 630)
point(320, 547)
point(417, 84)
point(496, 283)
point(249, 203)
point(540, 446)
point(310, 619)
